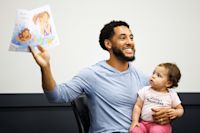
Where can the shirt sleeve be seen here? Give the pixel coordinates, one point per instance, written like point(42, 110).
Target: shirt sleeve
point(141, 92)
point(70, 90)
point(175, 99)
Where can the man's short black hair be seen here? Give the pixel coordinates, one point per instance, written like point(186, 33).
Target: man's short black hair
point(108, 31)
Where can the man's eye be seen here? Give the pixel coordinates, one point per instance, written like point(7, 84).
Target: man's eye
point(122, 37)
point(131, 37)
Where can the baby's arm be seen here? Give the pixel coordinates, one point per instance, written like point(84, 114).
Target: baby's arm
point(136, 113)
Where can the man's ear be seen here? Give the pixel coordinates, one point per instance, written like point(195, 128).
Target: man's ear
point(107, 44)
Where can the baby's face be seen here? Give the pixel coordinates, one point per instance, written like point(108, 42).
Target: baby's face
point(26, 34)
point(45, 18)
point(159, 79)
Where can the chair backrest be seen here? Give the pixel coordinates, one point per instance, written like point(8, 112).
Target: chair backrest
point(81, 111)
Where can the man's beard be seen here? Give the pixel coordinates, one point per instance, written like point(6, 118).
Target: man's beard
point(121, 56)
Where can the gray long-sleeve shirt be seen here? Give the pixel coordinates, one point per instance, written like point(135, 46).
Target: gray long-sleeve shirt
point(111, 95)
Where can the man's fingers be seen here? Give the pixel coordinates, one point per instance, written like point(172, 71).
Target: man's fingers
point(40, 48)
point(155, 109)
point(161, 116)
point(32, 50)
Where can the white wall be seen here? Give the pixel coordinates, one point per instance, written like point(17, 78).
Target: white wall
point(164, 30)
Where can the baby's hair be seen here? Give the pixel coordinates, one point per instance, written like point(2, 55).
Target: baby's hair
point(40, 15)
point(174, 73)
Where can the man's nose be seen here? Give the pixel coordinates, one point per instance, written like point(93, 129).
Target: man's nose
point(130, 42)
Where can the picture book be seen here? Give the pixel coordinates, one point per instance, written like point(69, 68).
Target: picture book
point(33, 27)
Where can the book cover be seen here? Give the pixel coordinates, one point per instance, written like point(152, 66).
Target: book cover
point(33, 27)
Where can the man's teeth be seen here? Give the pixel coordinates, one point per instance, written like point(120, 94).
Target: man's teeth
point(129, 50)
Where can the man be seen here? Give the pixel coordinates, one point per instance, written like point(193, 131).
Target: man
point(110, 85)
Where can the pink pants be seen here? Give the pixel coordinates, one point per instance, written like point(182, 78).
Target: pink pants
point(150, 127)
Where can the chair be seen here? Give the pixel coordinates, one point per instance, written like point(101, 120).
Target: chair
point(81, 111)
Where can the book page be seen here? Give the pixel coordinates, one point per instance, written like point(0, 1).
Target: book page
point(32, 28)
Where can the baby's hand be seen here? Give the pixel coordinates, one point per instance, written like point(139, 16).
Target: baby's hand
point(134, 124)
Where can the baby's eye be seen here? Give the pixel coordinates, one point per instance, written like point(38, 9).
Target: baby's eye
point(154, 72)
point(159, 75)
